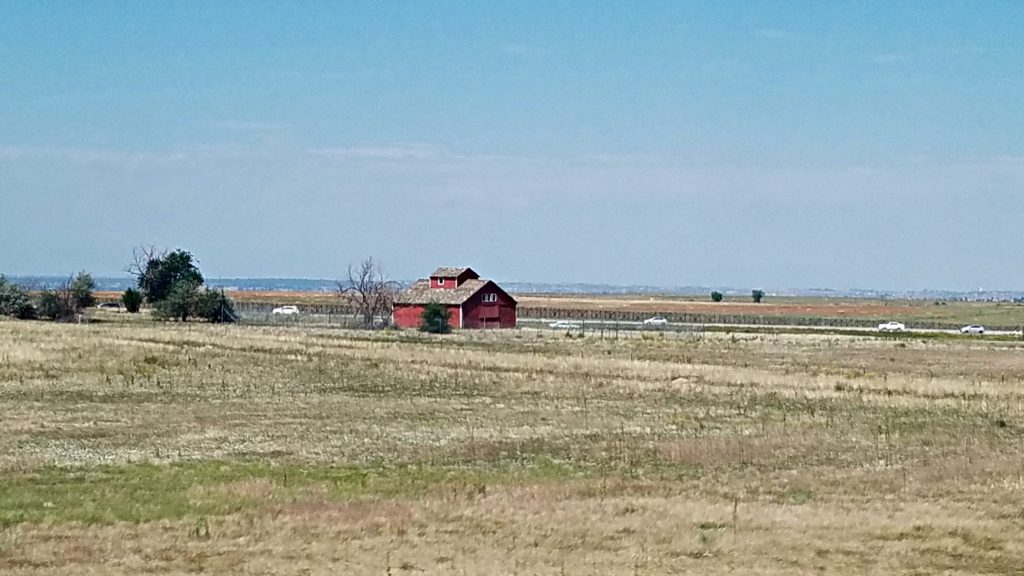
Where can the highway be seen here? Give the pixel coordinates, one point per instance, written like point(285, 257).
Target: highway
point(586, 325)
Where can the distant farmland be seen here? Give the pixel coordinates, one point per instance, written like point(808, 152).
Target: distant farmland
point(779, 310)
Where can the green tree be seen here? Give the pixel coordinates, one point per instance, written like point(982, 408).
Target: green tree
point(214, 306)
point(158, 273)
point(173, 284)
point(716, 296)
point(435, 319)
point(15, 301)
point(49, 306)
point(180, 303)
point(81, 289)
point(132, 300)
point(757, 296)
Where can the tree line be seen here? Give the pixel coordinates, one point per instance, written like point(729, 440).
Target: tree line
point(169, 281)
point(64, 303)
point(171, 284)
point(755, 295)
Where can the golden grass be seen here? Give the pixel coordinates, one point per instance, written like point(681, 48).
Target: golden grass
point(172, 449)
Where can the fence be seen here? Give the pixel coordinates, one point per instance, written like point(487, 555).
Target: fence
point(320, 309)
point(613, 329)
point(256, 313)
point(336, 314)
point(531, 312)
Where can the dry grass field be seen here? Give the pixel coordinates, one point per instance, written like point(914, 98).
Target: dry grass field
point(141, 448)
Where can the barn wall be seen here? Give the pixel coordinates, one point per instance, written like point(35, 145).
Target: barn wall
point(508, 315)
point(498, 315)
point(410, 315)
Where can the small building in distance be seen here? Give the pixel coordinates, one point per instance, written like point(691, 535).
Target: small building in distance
point(472, 302)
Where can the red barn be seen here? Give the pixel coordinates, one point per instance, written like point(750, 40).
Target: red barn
point(472, 302)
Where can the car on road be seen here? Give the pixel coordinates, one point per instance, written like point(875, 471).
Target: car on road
point(286, 310)
point(656, 321)
point(892, 326)
point(565, 325)
point(109, 305)
point(972, 329)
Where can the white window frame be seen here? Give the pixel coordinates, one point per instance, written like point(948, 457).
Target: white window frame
point(490, 298)
point(440, 281)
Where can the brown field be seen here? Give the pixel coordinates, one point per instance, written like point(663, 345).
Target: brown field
point(131, 447)
point(787, 307)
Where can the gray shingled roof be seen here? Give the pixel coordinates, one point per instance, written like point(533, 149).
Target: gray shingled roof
point(422, 293)
point(449, 272)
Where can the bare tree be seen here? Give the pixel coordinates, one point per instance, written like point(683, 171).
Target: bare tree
point(142, 255)
point(370, 293)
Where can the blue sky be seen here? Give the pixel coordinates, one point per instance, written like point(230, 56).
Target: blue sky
point(778, 144)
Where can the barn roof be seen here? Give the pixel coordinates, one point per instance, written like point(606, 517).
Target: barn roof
point(421, 292)
point(451, 272)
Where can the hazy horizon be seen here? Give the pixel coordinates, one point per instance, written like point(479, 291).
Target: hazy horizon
point(783, 145)
point(304, 283)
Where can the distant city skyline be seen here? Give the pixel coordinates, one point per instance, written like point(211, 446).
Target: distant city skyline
point(786, 144)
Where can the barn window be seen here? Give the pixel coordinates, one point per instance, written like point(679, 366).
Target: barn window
point(490, 298)
point(440, 281)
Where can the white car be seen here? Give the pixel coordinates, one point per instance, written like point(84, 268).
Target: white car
point(286, 310)
point(564, 325)
point(972, 329)
point(892, 327)
point(656, 321)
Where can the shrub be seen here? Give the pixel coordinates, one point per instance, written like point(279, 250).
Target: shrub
point(435, 319)
point(757, 296)
point(215, 306)
point(67, 302)
point(132, 300)
point(188, 299)
point(49, 306)
point(15, 301)
point(716, 296)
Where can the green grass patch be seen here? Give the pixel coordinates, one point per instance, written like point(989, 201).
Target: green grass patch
point(149, 492)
